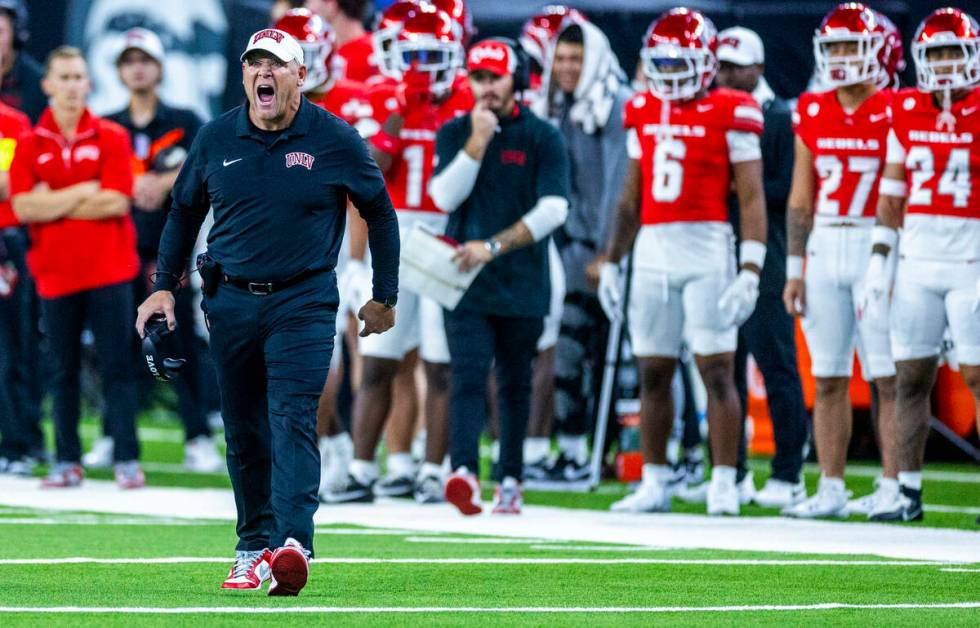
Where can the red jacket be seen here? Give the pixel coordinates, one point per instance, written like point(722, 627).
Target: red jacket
point(12, 124)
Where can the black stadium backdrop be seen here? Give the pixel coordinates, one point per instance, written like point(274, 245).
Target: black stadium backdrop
point(204, 37)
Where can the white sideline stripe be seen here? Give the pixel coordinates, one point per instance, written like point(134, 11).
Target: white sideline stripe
point(472, 541)
point(964, 477)
point(367, 531)
point(169, 560)
point(602, 548)
point(251, 610)
point(961, 570)
point(177, 468)
point(104, 521)
point(959, 510)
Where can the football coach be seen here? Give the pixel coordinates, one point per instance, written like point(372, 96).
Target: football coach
point(277, 172)
point(503, 174)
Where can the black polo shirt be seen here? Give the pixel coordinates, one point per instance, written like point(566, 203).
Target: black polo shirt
point(279, 199)
point(524, 161)
point(159, 147)
point(21, 87)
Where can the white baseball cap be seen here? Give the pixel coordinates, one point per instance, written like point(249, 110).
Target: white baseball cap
point(142, 40)
point(280, 43)
point(740, 46)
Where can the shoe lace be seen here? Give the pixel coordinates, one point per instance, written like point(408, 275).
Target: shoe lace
point(245, 562)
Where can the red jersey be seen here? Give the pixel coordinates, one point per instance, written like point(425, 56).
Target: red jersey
point(848, 150)
point(409, 175)
point(354, 60)
point(942, 163)
point(70, 255)
point(13, 123)
point(686, 167)
point(348, 100)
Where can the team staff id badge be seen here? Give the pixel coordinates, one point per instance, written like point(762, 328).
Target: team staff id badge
point(428, 269)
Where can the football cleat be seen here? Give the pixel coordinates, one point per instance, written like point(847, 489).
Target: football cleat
point(249, 570)
point(565, 469)
point(537, 470)
point(290, 568)
point(353, 491)
point(100, 456)
point(905, 506)
point(428, 490)
point(885, 493)
point(746, 489)
point(508, 498)
point(395, 486)
point(201, 456)
point(723, 497)
point(129, 475)
point(828, 501)
point(64, 475)
point(650, 496)
point(463, 492)
point(333, 474)
point(780, 494)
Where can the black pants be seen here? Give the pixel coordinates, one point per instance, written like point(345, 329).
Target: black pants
point(20, 338)
point(476, 341)
point(271, 354)
point(579, 361)
point(768, 335)
point(109, 312)
point(197, 376)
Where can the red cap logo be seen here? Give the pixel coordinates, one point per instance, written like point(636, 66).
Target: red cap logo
point(493, 56)
point(270, 33)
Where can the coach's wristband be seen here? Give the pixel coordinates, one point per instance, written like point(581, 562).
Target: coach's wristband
point(880, 234)
point(386, 143)
point(794, 267)
point(893, 187)
point(752, 252)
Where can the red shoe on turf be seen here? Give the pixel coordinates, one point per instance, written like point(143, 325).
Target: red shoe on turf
point(290, 568)
point(250, 570)
point(463, 492)
point(64, 475)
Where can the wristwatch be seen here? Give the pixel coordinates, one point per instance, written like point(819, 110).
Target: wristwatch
point(388, 302)
point(493, 246)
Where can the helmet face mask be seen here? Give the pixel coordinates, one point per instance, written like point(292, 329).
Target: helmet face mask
point(857, 63)
point(678, 56)
point(953, 64)
point(315, 59)
point(316, 39)
point(440, 60)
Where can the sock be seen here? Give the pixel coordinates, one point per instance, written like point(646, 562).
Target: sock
point(832, 484)
point(889, 485)
point(655, 473)
point(574, 447)
point(722, 474)
point(401, 465)
point(495, 451)
point(536, 449)
point(430, 469)
point(323, 444)
point(911, 479)
point(693, 455)
point(341, 443)
point(364, 471)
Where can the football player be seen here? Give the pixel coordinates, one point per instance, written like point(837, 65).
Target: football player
point(427, 56)
point(839, 156)
point(347, 100)
point(688, 146)
point(928, 190)
point(354, 58)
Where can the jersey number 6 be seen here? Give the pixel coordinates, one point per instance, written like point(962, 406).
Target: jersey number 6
point(668, 171)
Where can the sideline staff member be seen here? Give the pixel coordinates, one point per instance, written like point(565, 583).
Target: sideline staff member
point(503, 174)
point(277, 172)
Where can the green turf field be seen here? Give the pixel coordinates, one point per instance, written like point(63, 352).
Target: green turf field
point(368, 576)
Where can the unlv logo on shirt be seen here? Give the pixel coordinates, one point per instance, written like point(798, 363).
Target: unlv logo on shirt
point(299, 159)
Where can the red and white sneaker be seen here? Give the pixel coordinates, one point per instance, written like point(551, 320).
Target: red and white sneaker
point(129, 475)
point(250, 570)
point(508, 497)
point(463, 492)
point(64, 475)
point(290, 568)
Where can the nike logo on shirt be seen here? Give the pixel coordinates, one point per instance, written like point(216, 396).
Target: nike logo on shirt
point(227, 163)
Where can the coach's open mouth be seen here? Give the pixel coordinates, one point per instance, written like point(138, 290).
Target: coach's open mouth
point(266, 94)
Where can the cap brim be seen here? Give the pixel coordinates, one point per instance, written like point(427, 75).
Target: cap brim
point(731, 56)
point(484, 68)
point(145, 50)
point(278, 51)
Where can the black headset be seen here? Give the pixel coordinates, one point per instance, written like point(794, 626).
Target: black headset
point(160, 349)
point(18, 11)
point(522, 71)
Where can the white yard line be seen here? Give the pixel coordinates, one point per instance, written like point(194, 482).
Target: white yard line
point(463, 540)
point(678, 531)
point(252, 610)
point(746, 562)
point(956, 570)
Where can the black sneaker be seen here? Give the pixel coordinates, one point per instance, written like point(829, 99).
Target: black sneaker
point(907, 507)
point(564, 469)
point(536, 470)
point(395, 486)
point(352, 492)
point(428, 490)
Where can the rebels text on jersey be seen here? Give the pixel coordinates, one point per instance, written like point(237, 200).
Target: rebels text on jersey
point(686, 166)
point(848, 150)
point(408, 177)
point(942, 162)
